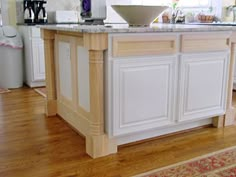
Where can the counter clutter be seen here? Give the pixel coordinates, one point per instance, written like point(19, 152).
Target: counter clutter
point(117, 85)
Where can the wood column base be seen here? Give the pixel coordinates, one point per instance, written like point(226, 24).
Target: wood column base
point(99, 146)
point(218, 122)
point(226, 120)
point(230, 116)
point(51, 107)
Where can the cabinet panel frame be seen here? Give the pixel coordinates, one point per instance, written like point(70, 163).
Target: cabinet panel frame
point(72, 42)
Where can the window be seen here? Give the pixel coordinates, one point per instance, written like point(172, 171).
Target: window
point(151, 2)
point(192, 5)
point(195, 3)
point(202, 5)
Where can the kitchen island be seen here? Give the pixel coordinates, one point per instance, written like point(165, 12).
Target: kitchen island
point(116, 85)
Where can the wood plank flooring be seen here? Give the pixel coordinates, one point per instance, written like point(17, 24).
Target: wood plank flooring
point(32, 145)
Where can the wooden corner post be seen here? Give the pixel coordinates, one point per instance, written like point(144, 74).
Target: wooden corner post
point(51, 101)
point(97, 142)
point(230, 112)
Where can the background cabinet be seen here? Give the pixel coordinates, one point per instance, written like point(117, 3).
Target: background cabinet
point(33, 56)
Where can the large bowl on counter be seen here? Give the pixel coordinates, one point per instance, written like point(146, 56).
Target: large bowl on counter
point(139, 15)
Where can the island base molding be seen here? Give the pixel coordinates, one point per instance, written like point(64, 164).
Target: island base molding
point(96, 145)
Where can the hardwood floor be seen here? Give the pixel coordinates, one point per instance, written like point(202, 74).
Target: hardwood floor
point(32, 145)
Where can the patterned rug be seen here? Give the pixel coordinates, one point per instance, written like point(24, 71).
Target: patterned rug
point(218, 164)
point(42, 91)
point(2, 90)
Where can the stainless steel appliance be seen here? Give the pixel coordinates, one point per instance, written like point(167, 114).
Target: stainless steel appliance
point(29, 15)
point(41, 14)
point(34, 11)
point(93, 12)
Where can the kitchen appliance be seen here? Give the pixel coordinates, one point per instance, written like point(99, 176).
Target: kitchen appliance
point(41, 14)
point(34, 11)
point(93, 12)
point(29, 16)
point(65, 16)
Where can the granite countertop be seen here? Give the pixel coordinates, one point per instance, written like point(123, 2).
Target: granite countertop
point(124, 28)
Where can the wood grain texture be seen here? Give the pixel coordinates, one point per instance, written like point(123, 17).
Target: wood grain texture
point(32, 145)
point(124, 46)
point(51, 104)
point(97, 142)
point(207, 42)
point(231, 112)
point(95, 41)
point(90, 124)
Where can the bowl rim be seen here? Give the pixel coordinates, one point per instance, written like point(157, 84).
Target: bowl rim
point(129, 5)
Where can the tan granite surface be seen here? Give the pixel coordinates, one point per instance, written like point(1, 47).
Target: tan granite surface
point(124, 28)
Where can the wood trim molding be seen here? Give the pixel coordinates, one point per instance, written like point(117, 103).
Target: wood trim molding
point(231, 112)
point(51, 100)
point(98, 143)
point(47, 34)
point(233, 37)
point(90, 124)
point(143, 45)
point(67, 33)
point(95, 41)
point(205, 42)
point(75, 119)
point(96, 95)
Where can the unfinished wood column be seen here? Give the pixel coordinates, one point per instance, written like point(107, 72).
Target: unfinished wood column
point(230, 112)
point(97, 142)
point(51, 100)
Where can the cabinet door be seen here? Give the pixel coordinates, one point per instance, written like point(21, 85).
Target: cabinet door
point(38, 59)
point(143, 94)
point(203, 85)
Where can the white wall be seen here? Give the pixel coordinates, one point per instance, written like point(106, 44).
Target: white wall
point(9, 12)
point(53, 5)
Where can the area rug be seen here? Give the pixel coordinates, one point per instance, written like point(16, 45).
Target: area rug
point(2, 90)
point(42, 91)
point(218, 164)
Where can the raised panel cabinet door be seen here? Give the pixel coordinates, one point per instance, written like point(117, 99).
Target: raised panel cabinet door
point(38, 59)
point(144, 94)
point(203, 85)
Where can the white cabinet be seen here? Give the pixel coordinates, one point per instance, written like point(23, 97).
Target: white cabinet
point(203, 85)
point(177, 82)
point(144, 93)
point(33, 56)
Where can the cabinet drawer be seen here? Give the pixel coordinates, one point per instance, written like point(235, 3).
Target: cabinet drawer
point(205, 42)
point(137, 45)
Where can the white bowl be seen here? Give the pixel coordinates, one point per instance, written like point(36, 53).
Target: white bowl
point(139, 15)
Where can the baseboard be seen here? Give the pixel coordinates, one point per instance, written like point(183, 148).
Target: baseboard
point(121, 140)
